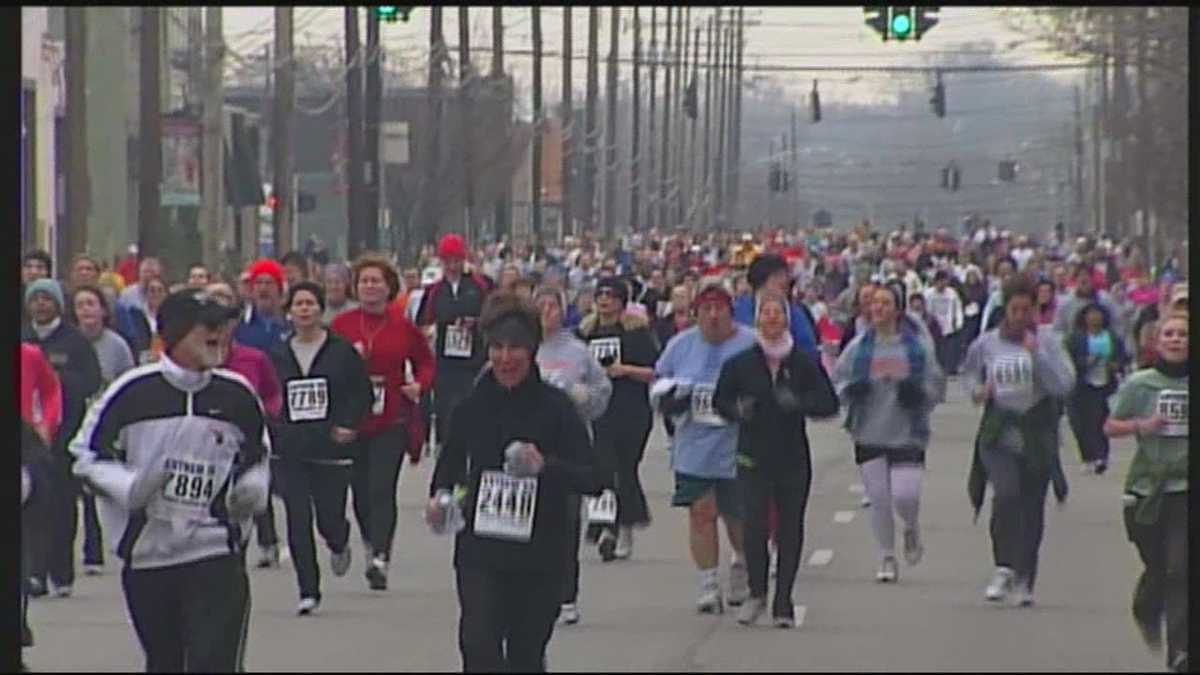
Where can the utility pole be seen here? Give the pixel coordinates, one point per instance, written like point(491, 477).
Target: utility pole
point(150, 136)
point(709, 70)
point(664, 204)
point(719, 175)
point(433, 155)
point(651, 176)
point(536, 165)
point(356, 235)
point(372, 111)
point(500, 214)
point(795, 164)
point(635, 187)
point(695, 196)
point(568, 124)
point(736, 144)
point(1144, 140)
point(466, 118)
point(610, 127)
point(1077, 168)
point(593, 86)
point(1120, 126)
point(212, 224)
point(78, 199)
point(285, 110)
point(681, 55)
point(196, 83)
point(1103, 126)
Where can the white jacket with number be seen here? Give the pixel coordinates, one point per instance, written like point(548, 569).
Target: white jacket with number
point(206, 430)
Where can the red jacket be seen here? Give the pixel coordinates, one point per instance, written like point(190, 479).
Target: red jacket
point(38, 379)
point(386, 342)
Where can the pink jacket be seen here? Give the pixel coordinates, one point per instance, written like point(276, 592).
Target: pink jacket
point(256, 367)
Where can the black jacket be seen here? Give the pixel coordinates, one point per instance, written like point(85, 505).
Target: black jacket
point(630, 401)
point(348, 397)
point(773, 438)
point(492, 417)
point(74, 361)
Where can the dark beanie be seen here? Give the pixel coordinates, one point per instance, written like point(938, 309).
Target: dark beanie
point(619, 288)
point(763, 267)
point(509, 319)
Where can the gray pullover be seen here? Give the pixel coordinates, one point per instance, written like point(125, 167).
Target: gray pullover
point(565, 362)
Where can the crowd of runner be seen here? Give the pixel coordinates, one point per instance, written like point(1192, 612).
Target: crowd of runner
point(534, 375)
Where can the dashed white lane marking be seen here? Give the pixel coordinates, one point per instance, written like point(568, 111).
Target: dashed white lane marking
point(843, 516)
point(857, 488)
point(820, 557)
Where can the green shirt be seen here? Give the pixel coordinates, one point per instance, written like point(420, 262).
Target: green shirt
point(1161, 461)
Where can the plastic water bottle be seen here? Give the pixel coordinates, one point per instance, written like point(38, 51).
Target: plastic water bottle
point(451, 521)
point(513, 466)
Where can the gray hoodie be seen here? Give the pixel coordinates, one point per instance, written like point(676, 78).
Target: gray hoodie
point(565, 362)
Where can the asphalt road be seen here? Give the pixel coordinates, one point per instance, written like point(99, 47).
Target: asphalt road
point(638, 614)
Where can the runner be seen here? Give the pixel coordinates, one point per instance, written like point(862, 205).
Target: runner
point(565, 362)
point(328, 395)
point(705, 444)
point(768, 390)
point(945, 305)
point(78, 371)
point(387, 343)
point(1098, 356)
point(525, 450)
point(177, 453)
point(1153, 404)
point(1086, 292)
point(453, 304)
point(337, 292)
point(41, 412)
point(890, 380)
point(1017, 375)
point(770, 271)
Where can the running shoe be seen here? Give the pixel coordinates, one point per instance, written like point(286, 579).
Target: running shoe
point(739, 583)
point(608, 546)
point(709, 601)
point(35, 587)
point(783, 615)
point(377, 574)
point(751, 610)
point(569, 613)
point(63, 591)
point(1024, 594)
point(93, 569)
point(1002, 582)
point(340, 562)
point(865, 502)
point(268, 556)
point(913, 549)
point(307, 605)
point(624, 547)
point(1100, 467)
point(889, 570)
point(1180, 664)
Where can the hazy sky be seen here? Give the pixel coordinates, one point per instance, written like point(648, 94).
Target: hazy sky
point(825, 36)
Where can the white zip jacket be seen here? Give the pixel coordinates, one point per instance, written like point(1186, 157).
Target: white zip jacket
point(206, 431)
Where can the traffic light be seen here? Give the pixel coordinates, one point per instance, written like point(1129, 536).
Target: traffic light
point(901, 22)
point(272, 202)
point(392, 14)
point(946, 178)
point(775, 178)
point(924, 19)
point(877, 19)
point(814, 100)
point(939, 98)
point(955, 178)
point(305, 202)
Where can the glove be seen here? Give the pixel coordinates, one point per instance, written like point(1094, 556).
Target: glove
point(910, 394)
point(519, 461)
point(671, 405)
point(244, 501)
point(856, 390)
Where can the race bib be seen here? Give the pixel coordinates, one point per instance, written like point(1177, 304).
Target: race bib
point(607, 348)
point(702, 406)
point(458, 342)
point(188, 491)
point(971, 309)
point(308, 399)
point(602, 510)
point(1172, 406)
point(505, 506)
point(1013, 375)
point(380, 391)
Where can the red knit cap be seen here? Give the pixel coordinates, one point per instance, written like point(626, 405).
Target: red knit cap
point(452, 246)
point(268, 267)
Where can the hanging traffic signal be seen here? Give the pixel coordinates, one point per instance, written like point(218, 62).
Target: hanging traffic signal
point(774, 178)
point(900, 22)
point(939, 98)
point(272, 202)
point(877, 19)
point(946, 178)
point(955, 179)
point(814, 100)
point(924, 19)
point(392, 14)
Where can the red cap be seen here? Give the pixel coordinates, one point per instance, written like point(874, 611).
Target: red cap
point(452, 246)
point(268, 267)
point(713, 293)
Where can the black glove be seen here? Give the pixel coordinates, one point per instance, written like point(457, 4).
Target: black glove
point(857, 390)
point(670, 405)
point(910, 394)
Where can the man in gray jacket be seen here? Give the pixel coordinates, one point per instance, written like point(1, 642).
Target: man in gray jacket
point(177, 453)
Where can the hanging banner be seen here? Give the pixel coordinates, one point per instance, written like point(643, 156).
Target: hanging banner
point(180, 162)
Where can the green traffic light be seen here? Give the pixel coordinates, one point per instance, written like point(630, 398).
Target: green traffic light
point(387, 13)
point(901, 25)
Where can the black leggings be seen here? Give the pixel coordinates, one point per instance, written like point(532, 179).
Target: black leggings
point(309, 487)
point(1087, 408)
point(1018, 511)
point(376, 470)
point(52, 543)
point(789, 489)
point(1162, 588)
point(625, 442)
point(570, 586)
point(506, 619)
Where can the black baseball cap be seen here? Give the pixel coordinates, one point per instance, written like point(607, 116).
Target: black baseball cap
point(183, 310)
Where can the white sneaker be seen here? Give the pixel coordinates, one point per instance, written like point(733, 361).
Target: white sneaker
point(913, 549)
point(624, 542)
point(888, 570)
point(1002, 582)
point(340, 562)
point(569, 613)
point(739, 583)
point(709, 601)
point(93, 570)
point(751, 610)
point(1024, 594)
point(307, 605)
point(268, 556)
point(62, 591)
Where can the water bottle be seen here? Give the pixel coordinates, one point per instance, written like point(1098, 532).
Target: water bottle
point(513, 466)
point(451, 518)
